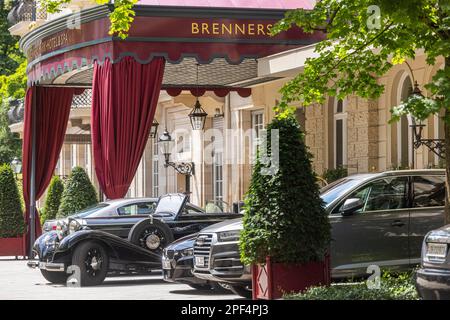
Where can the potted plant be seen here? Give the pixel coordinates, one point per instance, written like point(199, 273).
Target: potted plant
point(286, 229)
point(12, 223)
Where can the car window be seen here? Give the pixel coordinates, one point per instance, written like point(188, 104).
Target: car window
point(429, 191)
point(329, 194)
point(136, 208)
point(384, 194)
point(90, 211)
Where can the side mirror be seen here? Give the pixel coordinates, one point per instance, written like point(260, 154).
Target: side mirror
point(350, 206)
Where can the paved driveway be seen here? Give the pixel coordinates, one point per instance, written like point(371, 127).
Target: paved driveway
point(17, 281)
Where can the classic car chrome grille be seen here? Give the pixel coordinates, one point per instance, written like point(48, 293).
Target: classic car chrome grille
point(202, 246)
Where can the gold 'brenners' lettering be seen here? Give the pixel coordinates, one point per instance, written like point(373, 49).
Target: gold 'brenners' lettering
point(230, 29)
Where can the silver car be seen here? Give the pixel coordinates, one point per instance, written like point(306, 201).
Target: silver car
point(118, 207)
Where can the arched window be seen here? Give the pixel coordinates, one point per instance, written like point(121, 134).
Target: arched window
point(404, 133)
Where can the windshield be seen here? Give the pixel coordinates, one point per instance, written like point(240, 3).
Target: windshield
point(86, 212)
point(330, 193)
point(170, 204)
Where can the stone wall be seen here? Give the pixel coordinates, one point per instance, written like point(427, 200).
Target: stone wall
point(362, 135)
point(316, 136)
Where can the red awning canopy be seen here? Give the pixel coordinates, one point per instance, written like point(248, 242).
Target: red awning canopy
point(212, 35)
point(253, 4)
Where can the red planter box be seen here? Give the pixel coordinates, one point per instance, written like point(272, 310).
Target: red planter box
point(272, 280)
point(12, 246)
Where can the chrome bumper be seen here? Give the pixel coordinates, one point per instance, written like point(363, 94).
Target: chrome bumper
point(49, 266)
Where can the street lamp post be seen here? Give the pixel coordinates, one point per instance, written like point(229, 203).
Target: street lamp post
point(437, 146)
point(165, 142)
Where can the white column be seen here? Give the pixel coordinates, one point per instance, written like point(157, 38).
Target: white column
point(197, 182)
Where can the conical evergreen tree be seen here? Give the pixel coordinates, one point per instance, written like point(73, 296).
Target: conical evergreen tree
point(12, 223)
point(79, 193)
point(53, 199)
point(284, 214)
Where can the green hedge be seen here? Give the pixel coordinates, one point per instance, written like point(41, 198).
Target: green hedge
point(284, 214)
point(392, 287)
point(79, 193)
point(12, 223)
point(53, 199)
point(331, 175)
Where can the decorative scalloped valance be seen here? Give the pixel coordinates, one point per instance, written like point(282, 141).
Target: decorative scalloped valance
point(54, 50)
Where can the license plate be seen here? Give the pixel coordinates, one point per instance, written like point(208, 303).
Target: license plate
point(166, 264)
point(438, 250)
point(200, 261)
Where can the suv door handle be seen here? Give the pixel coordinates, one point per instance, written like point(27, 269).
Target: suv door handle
point(397, 223)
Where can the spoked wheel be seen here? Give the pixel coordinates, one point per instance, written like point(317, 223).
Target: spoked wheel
point(152, 239)
point(92, 261)
point(151, 235)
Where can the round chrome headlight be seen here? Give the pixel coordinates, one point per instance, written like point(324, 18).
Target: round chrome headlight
point(74, 226)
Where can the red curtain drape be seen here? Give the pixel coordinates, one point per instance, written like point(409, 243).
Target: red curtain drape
point(124, 99)
point(52, 108)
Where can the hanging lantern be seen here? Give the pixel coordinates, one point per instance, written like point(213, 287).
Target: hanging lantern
point(197, 117)
point(416, 91)
point(165, 143)
point(154, 129)
point(16, 165)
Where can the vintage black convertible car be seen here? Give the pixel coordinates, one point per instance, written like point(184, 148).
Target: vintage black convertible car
point(88, 249)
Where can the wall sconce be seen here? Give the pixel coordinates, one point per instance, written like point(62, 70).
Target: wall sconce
point(218, 114)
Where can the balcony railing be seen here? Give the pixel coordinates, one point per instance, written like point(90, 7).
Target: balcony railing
point(26, 10)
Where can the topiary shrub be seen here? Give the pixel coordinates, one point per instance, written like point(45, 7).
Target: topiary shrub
point(79, 193)
point(284, 214)
point(53, 199)
point(12, 223)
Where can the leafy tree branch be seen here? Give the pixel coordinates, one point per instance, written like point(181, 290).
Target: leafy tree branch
point(121, 17)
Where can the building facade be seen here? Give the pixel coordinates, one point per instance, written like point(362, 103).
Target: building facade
point(353, 133)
